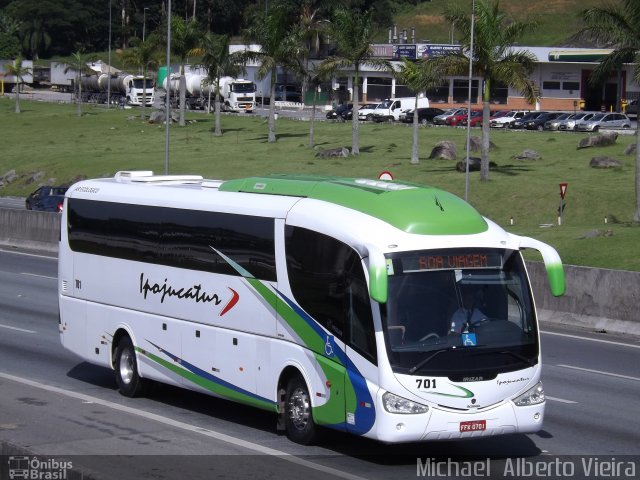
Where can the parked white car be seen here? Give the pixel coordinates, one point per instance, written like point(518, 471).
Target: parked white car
point(365, 112)
point(503, 122)
point(603, 121)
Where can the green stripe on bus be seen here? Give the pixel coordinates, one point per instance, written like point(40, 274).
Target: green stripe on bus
point(416, 209)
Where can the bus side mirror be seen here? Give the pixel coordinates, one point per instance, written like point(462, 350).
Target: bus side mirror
point(378, 280)
point(552, 263)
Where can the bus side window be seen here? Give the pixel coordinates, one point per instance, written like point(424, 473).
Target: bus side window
point(327, 280)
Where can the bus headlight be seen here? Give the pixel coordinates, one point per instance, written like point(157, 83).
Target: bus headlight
point(533, 396)
point(395, 404)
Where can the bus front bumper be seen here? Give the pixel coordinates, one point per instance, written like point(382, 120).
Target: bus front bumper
point(443, 424)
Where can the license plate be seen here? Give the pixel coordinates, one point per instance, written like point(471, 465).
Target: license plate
point(473, 426)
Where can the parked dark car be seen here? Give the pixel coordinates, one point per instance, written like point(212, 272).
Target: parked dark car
point(521, 122)
point(538, 122)
point(425, 115)
point(341, 112)
point(34, 199)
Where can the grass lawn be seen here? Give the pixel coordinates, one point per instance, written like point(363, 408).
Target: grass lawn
point(50, 138)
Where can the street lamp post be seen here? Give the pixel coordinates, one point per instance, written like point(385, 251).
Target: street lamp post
point(466, 181)
point(167, 109)
point(109, 66)
point(144, 21)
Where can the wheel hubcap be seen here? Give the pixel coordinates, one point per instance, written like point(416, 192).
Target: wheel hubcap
point(299, 408)
point(126, 366)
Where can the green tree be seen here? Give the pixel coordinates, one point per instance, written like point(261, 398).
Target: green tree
point(495, 60)
point(618, 26)
point(309, 29)
point(216, 58)
point(79, 66)
point(9, 43)
point(18, 71)
point(185, 37)
point(418, 76)
point(353, 33)
point(143, 55)
point(278, 47)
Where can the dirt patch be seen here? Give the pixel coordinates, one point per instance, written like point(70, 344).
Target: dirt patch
point(429, 20)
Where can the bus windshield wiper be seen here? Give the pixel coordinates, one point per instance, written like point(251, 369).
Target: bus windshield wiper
point(424, 361)
point(518, 356)
point(522, 358)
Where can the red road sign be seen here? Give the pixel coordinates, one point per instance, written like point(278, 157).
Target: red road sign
point(563, 189)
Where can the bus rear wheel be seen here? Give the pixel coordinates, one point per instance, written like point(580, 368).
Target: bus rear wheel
point(130, 383)
point(298, 415)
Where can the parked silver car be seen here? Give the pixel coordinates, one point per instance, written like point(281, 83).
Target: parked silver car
point(603, 121)
point(442, 118)
point(571, 122)
point(554, 123)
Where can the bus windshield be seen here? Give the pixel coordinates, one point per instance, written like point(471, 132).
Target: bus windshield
point(459, 311)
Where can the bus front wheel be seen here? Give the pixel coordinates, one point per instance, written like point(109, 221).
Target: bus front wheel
point(130, 383)
point(298, 415)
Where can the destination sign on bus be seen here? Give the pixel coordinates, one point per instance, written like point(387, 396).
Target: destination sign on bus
point(451, 261)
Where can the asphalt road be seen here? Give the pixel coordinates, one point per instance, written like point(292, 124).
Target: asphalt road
point(52, 403)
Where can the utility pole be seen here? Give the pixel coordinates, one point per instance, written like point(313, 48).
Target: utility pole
point(466, 181)
point(167, 109)
point(109, 66)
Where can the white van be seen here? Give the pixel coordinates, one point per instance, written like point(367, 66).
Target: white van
point(391, 109)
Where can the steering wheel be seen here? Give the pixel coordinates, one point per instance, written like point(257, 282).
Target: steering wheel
point(480, 322)
point(428, 336)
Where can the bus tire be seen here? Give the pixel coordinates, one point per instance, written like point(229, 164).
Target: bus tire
point(298, 415)
point(130, 383)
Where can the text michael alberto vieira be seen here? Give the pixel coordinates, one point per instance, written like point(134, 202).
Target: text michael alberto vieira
point(521, 467)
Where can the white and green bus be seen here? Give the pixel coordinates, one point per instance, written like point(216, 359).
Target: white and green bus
point(388, 310)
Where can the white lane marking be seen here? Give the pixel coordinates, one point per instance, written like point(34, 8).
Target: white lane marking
point(600, 372)
point(49, 257)
point(591, 339)
point(185, 426)
point(39, 276)
point(561, 400)
point(18, 329)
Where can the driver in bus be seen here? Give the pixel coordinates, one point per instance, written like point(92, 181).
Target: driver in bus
point(468, 312)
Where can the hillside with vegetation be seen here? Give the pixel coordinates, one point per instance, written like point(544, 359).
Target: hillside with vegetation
point(45, 29)
point(558, 20)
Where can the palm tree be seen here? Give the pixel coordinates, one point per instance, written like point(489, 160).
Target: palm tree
point(353, 33)
point(314, 77)
point(618, 26)
point(216, 58)
point(495, 59)
point(18, 71)
point(418, 76)
point(185, 36)
point(143, 55)
point(278, 47)
point(79, 65)
point(310, 28)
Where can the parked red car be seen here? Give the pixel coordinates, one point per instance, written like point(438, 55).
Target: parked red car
point(476, 119)
point(454, 120)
